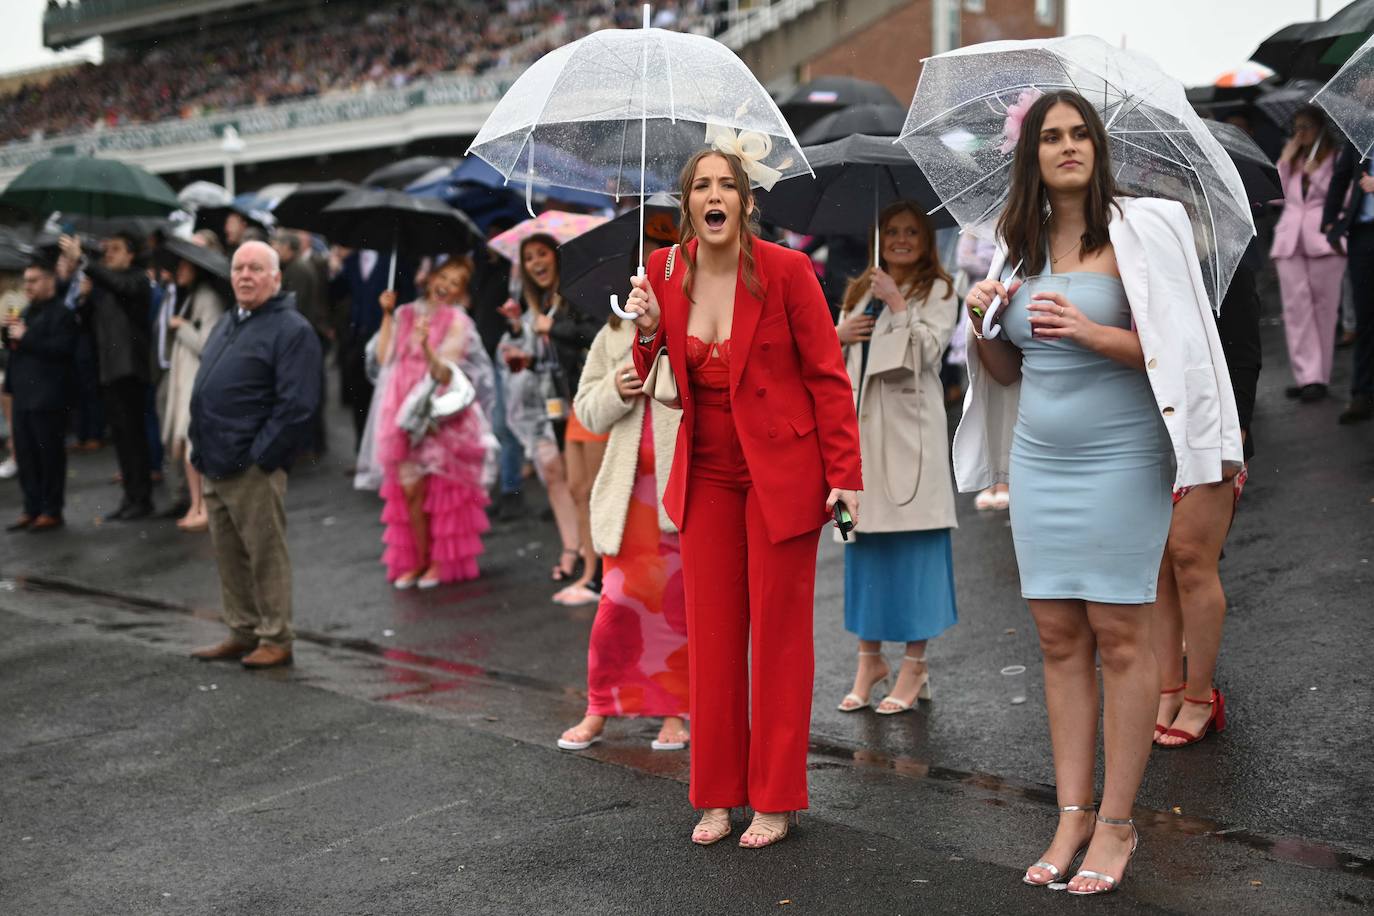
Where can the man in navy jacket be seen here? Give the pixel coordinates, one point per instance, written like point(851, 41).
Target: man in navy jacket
point(255, 393)
point(1348, 220)
point(42, 345)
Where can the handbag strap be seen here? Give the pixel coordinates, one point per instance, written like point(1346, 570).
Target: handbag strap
point(672, 260)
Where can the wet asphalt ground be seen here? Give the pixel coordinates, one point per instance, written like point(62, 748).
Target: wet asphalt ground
point(406, 763)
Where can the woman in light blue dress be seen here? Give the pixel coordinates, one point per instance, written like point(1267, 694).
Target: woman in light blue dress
point(1092, 455)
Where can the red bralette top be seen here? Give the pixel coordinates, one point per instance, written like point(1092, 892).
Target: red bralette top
point(708, 364)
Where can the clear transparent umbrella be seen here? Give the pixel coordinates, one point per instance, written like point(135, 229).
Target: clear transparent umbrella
point(957, 131)
point(1349, 97)
point(620, 111)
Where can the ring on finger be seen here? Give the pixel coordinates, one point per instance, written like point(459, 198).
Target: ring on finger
point(1060, 313)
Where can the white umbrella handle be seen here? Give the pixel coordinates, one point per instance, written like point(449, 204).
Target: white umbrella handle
point(990, 329)
point(615, 302)
point(391, 277)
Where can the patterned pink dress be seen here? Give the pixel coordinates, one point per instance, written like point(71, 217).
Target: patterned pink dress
point(637, 659)
point(449, 461)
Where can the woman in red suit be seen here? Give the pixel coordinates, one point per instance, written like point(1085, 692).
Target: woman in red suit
point(768, 444)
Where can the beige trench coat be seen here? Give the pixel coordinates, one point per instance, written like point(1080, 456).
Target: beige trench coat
point(185, 343)
point(903, 432)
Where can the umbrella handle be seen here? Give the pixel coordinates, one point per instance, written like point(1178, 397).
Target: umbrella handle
point(991, 330)
point(615, 302)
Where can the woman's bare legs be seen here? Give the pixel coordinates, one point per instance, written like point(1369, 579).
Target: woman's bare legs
point(584, 463)
point(1168, 644)
point(1202, 519)
point(1130, 688)
point(419, 527)
point(196, 514)
point(554, 473)
point(1068, 647)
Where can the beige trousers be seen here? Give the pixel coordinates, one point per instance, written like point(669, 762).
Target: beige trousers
point(248, 527)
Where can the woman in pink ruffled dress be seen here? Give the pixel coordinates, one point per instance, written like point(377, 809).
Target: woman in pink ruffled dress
point(435, 499)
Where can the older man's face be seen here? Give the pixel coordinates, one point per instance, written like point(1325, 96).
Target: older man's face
point(254, 277)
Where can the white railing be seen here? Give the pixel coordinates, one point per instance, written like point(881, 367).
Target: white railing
point(758, 21)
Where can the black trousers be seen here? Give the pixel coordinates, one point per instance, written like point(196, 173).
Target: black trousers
point(319, 439)
point(124, 411)
point(357, 390)
point(1361, 268)
point(42, 456)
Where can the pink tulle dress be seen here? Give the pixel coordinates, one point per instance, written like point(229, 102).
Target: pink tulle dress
point(449, 461)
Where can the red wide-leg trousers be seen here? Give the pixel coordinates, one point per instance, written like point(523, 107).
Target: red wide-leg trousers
point(749, 613)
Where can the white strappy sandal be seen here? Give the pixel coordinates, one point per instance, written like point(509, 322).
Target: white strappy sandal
point(852, 702)
point(922, 693)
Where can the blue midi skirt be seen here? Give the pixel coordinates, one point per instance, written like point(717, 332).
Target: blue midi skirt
point(899, 586)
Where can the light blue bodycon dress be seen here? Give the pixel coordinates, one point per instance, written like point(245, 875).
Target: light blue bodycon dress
point(1092, 468)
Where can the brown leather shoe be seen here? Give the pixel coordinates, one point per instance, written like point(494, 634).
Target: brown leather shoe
point(20, 523)
point(267, 656)
point(45, 523)
point(229, 650)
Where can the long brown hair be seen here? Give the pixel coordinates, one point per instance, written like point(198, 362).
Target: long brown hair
point(536, 300)
point(1327, 135)
point(748, 212)
point(927, 270)
point(1022, 226)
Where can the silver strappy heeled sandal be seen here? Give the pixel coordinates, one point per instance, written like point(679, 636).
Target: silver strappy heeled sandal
point(1112, 883)
point(1054, 870)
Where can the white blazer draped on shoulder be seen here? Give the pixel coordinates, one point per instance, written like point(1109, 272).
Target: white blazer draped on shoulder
point(1155, 253)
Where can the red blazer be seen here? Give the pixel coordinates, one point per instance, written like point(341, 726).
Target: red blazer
point(789, 389)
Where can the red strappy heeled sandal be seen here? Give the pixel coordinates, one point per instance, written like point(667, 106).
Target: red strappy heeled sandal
point(1160, 729)
point(1215, 722)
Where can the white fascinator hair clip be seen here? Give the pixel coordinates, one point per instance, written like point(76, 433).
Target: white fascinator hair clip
point(751, 148)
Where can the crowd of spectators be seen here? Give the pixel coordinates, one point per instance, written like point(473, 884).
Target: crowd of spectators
point(339, 47)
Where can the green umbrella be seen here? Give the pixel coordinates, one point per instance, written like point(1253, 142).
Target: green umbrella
point(90, 187)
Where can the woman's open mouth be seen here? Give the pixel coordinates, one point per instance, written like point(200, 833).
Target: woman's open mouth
point(715, 219)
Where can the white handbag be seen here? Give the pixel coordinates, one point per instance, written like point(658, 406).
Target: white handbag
point(659, 381)
point(423, 410)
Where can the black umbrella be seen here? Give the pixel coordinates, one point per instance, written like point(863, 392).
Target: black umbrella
point(1316, 50)
point(204, 259)
point(213, 218)
point(1280, 105)
point(16, 250)
point(399, 174)
point(303, 205)
point(855, 178)
point(812, 101)
point(1355, 19)
point(869, 118)
point(1257, 173)
point(381, 220)
point(1277, 52)
point(599, 263)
